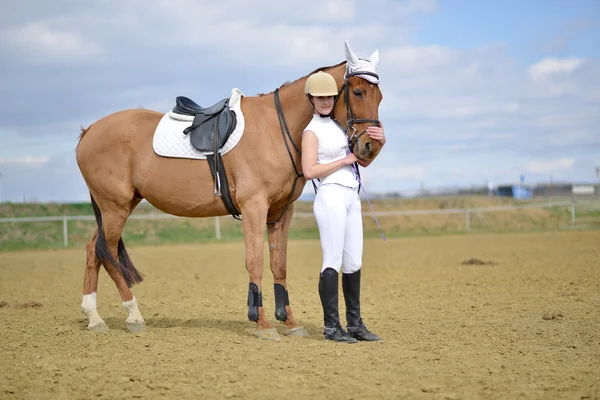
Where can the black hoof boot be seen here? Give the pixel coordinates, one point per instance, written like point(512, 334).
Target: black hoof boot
point(328, 291)
point(254, 301)
point(281, 301)
point(355, 326)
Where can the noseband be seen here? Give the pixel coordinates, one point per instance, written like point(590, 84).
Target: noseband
point(353, 138)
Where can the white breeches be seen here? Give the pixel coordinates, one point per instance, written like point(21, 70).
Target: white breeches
point(338, 213)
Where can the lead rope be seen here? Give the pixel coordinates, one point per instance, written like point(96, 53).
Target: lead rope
point(355, 170)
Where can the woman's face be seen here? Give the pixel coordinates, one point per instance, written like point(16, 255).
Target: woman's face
point(323, 104)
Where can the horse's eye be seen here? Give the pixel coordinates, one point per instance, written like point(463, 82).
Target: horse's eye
point(358, 92)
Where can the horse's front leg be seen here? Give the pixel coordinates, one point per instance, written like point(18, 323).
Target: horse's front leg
point(278, 239)
point(253, 222)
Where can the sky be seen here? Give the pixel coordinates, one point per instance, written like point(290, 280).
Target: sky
point(474, 91)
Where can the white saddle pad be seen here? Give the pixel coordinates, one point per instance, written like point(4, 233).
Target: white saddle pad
point(170, 141)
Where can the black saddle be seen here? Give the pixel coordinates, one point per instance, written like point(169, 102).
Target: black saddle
point(187, 106)
point(208, 133)
point(211, 126)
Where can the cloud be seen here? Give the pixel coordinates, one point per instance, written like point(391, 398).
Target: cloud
point(291, 33)
point(480, 99)
point(27, 160)
point(255, 33)
point(411, 7)
point(553, 66)
point(563, 39)
point(549, 166)
point(404, 171)
point(53, 178)
point(39, 43)
point(412, 58)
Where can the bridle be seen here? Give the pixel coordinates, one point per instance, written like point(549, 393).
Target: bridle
point(351, 120)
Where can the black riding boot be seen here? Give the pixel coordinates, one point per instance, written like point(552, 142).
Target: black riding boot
point(328, 291)
point(356, 327)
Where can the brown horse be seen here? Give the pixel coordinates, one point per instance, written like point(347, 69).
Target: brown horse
point(117, 161)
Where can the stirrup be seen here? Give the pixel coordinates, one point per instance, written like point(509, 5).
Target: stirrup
point(217, 191)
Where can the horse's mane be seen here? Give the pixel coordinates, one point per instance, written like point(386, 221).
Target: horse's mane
point(83, 132)
point(302, 77)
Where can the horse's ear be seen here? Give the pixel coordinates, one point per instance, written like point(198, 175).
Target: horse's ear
point(374, 59)
point(350, 56)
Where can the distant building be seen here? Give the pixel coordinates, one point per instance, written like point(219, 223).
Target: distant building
point(514, 191)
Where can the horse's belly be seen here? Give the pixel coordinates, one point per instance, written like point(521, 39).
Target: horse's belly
point(179, 187)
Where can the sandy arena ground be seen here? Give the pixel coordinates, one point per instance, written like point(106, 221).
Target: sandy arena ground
point(525, 326)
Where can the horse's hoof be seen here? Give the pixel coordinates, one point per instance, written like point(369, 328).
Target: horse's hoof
point(267, 334)
point(99, 327)
point(134, 326)
point(299, 331)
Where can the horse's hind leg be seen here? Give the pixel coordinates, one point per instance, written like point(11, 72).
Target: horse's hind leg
point(90, 286)
point(113, 256)
point(278, 240)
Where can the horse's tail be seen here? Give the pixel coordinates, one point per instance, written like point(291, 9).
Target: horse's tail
point(132, 276)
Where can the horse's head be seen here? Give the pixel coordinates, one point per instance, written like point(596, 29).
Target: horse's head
point(357, 105)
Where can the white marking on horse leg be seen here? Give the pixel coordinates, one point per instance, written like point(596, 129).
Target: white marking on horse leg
point(88, 307)
point(134, 320)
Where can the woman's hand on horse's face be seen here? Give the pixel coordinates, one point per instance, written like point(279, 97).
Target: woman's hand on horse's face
point(376, 133)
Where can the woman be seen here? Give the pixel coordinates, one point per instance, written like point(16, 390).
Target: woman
point(337, 209)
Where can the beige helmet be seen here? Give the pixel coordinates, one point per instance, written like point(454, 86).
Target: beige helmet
point(321, 84)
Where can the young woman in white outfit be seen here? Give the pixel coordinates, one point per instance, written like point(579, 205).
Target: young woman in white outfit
point(337, 209)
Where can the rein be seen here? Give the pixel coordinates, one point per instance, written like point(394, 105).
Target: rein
point(286, 132)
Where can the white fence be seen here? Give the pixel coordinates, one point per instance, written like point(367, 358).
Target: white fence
point(572, 205)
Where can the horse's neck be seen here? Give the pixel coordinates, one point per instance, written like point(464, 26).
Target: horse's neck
point(296, 108)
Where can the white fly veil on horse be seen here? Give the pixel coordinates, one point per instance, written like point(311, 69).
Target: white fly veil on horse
point(355, 64)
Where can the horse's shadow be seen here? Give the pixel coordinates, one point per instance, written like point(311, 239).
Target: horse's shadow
point(232, 326)
point(227, 325)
